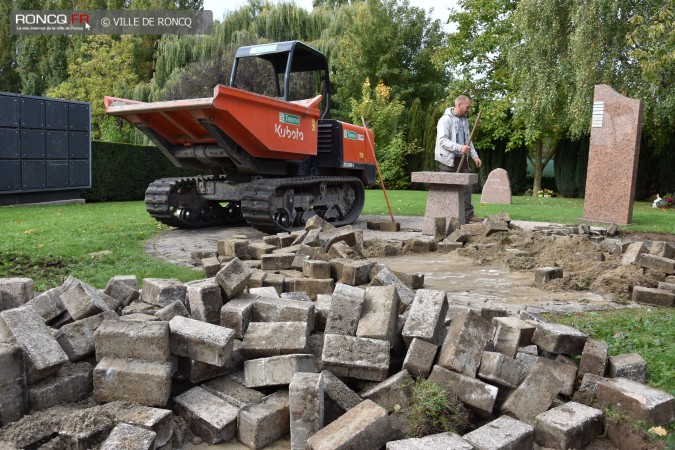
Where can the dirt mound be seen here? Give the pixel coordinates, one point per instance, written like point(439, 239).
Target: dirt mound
point(587, 266)
point(619, 281)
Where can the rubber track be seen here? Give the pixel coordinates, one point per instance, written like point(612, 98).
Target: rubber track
point(157, 204)
point(256, 201)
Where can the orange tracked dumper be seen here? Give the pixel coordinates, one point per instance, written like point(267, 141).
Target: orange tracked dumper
point(268, 161)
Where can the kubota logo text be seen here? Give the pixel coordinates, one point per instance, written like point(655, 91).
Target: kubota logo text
point(288, 133)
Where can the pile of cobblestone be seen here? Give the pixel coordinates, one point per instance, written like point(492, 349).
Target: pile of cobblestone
point(301, 335)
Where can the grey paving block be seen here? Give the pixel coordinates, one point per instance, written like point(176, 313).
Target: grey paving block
point(264, 339)
point(70, 385)
point(48, 304)
point(201, 341)
point(265, 422)
point(639, 401)
point(355, 273)
point(651, 296)
point(172, 310)
point(77, 338)
point(464, 342)
point(161, 292)
point(561, 339)
point(630, 365)
point(144, 382)
point(534, 395)
point(276, 370)
point(426, 317)
point(267, 309)
point(42, 353)
point(306, 408)
point(277, 261)
point(158, 420)
point(82, 300)
point(420, 357)
point(13, 393)
point(343, 317)
point(391, 392)
point(511, 333)
point(339, 392)
point(232, 392)
point(447, 440)
point(15, 292)
point(633, 252)
point(386, 277)
point(233, 278)
point(366, 426)
point(593, 358)
point(233, 248)
point(504, 433)
point(210, 417)
point(500, 369)
point(237, 314)
point(123, 288)
point(123, 434)
point(476, 394)
point(379, 314)
point(313, 286)
point(363, 358)
point(571, 425)
point(205, 300)
point(140, 340)
point(658, 263)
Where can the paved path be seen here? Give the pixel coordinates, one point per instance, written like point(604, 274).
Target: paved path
point(176, 245)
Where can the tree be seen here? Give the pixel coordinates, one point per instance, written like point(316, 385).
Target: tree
point(382, 112)
point(415, 134)
point(433, 114)
point(9, 77)
point(542, 79)
point(388, 40)
point(100, 65)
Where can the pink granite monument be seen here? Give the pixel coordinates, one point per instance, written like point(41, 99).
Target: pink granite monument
point(497, 188)
point(613, 157)
point(445, 197)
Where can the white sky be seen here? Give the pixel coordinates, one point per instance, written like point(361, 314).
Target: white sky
point(441, 8)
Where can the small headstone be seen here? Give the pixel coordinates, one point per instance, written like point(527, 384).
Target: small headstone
point(497, 188)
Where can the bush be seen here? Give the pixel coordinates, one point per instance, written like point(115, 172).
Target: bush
point(122, 172)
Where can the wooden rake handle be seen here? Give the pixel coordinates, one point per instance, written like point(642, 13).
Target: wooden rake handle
point(475, 125)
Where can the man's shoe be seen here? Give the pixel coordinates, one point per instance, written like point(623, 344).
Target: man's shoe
point(475, 219)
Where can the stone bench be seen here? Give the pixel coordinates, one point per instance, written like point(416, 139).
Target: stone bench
point(445, 197)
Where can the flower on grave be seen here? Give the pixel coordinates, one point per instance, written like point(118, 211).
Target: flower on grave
point(545, 193)
point(667, 201)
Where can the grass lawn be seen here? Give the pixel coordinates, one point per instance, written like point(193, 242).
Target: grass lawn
point(48, 243)
point(557, 210)
point(649, 332)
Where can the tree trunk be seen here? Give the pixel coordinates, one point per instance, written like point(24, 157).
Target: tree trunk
point(538, 167)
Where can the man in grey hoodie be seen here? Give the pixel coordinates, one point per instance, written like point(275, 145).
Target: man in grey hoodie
point(452, 135)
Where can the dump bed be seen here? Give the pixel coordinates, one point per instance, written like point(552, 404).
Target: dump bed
point(263, 126)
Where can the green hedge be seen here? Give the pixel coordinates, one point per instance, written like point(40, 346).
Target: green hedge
point(122, 172)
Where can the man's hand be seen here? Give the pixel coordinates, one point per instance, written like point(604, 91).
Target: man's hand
point(466, 149)
point(477, 161)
